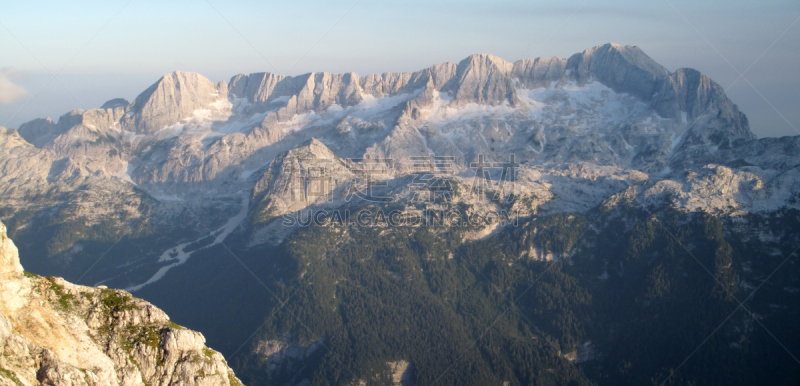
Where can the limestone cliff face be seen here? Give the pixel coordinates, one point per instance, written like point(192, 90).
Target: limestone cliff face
point(53, 332)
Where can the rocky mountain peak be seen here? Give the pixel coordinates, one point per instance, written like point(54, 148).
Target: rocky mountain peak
point(44, 132)
point(484, 62)
point(174, 97)
point(260, 87)
point(316, 149)
point(38, 131)
point(309, 173)
point(484, 79)
point(632, 54)
point(623, 68)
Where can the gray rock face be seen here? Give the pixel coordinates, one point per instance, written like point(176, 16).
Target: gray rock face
point(24, 164)
point(297, 95)
point(40, 131)
point(540, 72)
point(699, 96)
point(175, 97)
point(53, 332)
point(308, 174)
point(101, 122)
point(261, 88)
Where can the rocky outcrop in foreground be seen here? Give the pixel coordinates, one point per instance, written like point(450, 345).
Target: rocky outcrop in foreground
point(53, 332)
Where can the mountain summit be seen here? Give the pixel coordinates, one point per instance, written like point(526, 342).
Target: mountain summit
point(176, 96)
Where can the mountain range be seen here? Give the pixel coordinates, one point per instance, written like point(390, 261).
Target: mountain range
point(199, 197)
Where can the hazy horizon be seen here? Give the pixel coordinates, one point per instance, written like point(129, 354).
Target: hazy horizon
point(117, 49)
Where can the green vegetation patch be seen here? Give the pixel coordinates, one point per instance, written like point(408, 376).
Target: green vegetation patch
point(232, 380)
point(116, 302)
point(9, 375)
point(147, 335)
point(65, 301)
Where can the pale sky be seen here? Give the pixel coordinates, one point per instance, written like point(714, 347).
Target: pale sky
point(116, 48)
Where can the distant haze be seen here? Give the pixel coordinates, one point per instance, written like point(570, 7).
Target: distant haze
point(139, 41)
